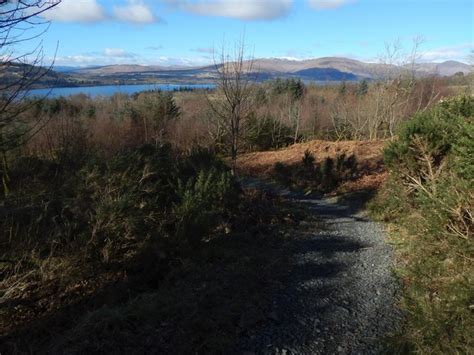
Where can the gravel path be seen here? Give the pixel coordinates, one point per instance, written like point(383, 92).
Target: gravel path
point(341, 296)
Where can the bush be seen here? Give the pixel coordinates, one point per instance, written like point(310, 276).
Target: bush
point(430, 193)
point(434, 151)
point(265, 133)
point(108, 209)
point(202, 203)
point(295, 88)
point(321, 177)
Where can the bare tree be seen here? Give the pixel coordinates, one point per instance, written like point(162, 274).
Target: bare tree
point(19, 23)
point(234, 99)
point(399, 91)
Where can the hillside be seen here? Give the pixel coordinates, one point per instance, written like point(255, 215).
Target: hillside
point(275, 67)
point(14, 74)
point(328, 69)
point(447, 68)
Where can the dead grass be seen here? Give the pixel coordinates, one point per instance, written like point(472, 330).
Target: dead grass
point(260, 163)
point(367, 153)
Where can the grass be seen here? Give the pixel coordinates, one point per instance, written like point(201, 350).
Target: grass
point(438, 295)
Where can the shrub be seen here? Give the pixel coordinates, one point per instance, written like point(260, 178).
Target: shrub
point(107, 209)
point(202, 203)
point(129, 198)
point(154, 111)
point(430, 193)
point(434, 151)
point(265, 133)
point(295, 88)
point(311, 176)
point(308, 159)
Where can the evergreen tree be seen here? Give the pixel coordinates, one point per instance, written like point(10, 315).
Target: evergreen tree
point(343, 88)
point(363, 88)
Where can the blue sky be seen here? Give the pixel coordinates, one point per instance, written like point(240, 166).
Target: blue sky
point(184, 32)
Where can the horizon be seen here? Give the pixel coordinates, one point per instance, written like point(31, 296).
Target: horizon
point(255, 59)
point(88, 33)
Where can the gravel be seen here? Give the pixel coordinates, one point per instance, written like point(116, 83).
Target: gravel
point(340, 296)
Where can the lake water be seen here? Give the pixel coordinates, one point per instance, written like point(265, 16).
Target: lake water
point(108, 90)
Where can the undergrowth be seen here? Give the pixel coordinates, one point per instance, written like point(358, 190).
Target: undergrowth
point(132, 249)
point(429, 199)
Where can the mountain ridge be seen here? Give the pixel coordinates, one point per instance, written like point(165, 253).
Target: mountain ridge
point(277, 66)
point(325, 69)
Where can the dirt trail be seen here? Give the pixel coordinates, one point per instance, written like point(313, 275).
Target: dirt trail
point(341, 296)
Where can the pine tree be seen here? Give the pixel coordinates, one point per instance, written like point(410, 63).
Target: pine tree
point(363, 88)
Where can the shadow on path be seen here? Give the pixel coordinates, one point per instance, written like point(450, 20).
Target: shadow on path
point(340, 295)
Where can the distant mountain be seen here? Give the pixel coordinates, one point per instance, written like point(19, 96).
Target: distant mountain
point(120, 69)
point(447, 68)
point(15, 74)
point(319, 69)
point(358, 68)
point(325, 74)
point(65, 69)
point(345, 65)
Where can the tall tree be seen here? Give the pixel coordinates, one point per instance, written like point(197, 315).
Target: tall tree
point(234, 101)
point(19, 23)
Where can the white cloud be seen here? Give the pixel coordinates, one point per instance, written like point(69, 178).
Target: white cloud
point(206, 50)
point(118, 53)
point(182, 61)
point(75, 60)
point(112, 56)
point(75, 11)
point(459, 52)
point(327, 4)
point(134, 11)
point(238, 9)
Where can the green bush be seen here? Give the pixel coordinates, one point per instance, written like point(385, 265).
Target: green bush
point(109, 208)
point(265, 133)
point(294, 87)
point(202, 203)
point(433, 160)
point(430, 193)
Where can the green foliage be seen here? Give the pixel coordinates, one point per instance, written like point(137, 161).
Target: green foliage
point(202, 202)
point(200, 159)
point(204, 301)
point(433, 160)
point(155, 109)
point(342, 89)
point(129, 197)
point(362, 88)
point(265, 133)
point(294, 87)
point(261, 97)
point(430, 193)
point(106, 209)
